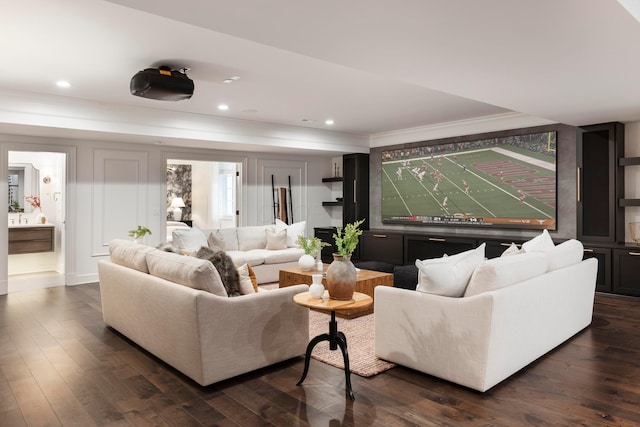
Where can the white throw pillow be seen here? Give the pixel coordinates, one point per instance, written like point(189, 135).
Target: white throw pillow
point(216, 241)
point(448, 276)
point(189, 239)
point(500, 272)
point(513, 249)
point(246, 285)
point(565, 254)
point(252, 237)
point(541, 242)
point(276, 241)
point(293, 231)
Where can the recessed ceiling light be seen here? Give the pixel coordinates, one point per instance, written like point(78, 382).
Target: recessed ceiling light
point(231, 79)
point(328, 122)
point(63, 83)
point(223, 107)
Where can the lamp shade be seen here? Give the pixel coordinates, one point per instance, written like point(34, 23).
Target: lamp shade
point(177, 202)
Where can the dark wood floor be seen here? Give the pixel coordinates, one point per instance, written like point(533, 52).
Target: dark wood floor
point(60, 366)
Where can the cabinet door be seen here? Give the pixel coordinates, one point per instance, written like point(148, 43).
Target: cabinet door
point(427, 247)
point(382, 246)
point(626, 272)
point(325, 234)
point(603, 255)
point(355, 194)
point(600, 183)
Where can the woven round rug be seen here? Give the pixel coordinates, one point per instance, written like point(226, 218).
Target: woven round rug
point(360, 344)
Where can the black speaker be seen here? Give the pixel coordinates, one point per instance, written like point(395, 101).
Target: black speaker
point(162, 83)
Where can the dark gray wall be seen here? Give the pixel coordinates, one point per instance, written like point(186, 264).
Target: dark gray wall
point(566, 167)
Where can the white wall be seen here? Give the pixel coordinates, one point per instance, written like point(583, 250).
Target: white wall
point(117, 186)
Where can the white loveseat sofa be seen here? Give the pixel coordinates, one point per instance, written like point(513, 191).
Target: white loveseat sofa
point(249, 245)
point(176, 308)
point(511, 314)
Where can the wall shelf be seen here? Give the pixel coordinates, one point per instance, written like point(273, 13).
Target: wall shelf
point(331, 203)
point(628, 161)
point(628, 202)
point(332, 179)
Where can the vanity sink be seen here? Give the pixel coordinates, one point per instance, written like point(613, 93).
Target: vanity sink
point(31, 238)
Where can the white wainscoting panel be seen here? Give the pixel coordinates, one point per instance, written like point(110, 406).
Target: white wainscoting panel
point(120, 187)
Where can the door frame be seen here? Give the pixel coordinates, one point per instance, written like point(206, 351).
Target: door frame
point(69, 207)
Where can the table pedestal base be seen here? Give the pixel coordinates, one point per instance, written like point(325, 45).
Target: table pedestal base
point(336, 339)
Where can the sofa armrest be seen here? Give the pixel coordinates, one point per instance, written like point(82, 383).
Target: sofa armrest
point(441, 336)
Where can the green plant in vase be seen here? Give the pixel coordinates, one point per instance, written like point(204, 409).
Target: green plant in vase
point(139, 232)
point(311, 247)
point(347, 239)
point(341, 274)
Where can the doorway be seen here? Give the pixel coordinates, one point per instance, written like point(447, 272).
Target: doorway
point(37, 186)
point(203, 193)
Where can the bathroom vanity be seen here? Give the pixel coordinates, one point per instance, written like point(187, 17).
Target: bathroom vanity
point(31, 238)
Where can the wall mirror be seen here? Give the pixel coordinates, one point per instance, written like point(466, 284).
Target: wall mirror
point(24, 180)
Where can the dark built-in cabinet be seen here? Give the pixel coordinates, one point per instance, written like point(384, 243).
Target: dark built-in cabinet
point(355, 203)
point(600, 207)
point(626, 271)
point(325, 234)
point(600, 183)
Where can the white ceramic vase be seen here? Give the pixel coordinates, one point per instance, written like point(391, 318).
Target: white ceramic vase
point(317, 288)
point(306, 262)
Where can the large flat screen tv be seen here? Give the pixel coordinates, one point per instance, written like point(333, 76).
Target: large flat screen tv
point(507, 182)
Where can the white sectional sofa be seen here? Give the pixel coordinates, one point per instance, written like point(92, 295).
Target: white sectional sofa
point(513, 310)
point(249, 245)
point(176, 308)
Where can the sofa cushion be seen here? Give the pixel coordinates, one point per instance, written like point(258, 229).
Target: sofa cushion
point(293, 231)
point(129, 254)
point(252, 237)
point(253, 257)
point(245, 284)
point(189, 239)
point(500, 272)
point(276, 240)
point(277, 257)
point(541, 242)
point(185, 270)
point(448, 276)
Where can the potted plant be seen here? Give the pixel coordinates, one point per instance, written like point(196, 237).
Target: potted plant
point(139, 233)
point(311, 247)
point(341, 274)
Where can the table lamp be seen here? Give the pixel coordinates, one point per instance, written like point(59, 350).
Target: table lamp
point(177, 203)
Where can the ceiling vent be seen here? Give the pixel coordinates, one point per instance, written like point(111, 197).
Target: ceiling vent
point(162, 83)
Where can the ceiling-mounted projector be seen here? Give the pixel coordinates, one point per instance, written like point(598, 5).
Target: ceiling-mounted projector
point(162, 83)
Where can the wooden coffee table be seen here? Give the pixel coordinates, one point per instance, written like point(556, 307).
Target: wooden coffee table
point(366, 281)
point(335, 337)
